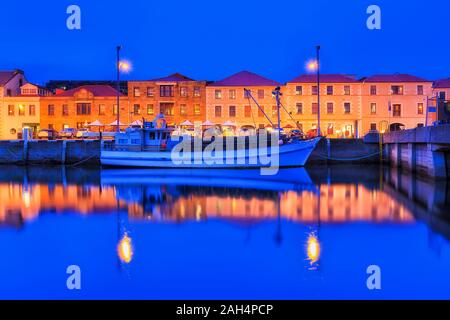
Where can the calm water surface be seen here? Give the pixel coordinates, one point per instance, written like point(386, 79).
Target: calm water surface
point(159, 234)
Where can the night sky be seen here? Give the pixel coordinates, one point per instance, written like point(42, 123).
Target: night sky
point(212, 39)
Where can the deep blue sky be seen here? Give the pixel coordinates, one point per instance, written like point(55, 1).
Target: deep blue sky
point(213, 39)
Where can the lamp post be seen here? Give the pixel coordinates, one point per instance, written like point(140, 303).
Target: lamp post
point(318, 89)
point(118, 88)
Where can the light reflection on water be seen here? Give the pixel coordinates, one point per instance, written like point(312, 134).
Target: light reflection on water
point(223, 234)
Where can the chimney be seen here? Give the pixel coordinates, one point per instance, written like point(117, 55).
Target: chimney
point(59, 91)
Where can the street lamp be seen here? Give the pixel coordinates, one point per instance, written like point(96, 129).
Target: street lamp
point(314, 66)
point(118, 87)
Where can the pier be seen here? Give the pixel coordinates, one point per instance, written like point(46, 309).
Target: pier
point(425, 150)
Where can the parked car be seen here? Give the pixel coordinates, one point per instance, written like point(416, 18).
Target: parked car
point(68, 133)
point(298, 133)
point(48, 134)
point(82, 133)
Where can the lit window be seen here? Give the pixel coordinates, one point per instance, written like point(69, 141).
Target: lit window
point(11, 110)
point(218, 94)
point(137, 92)
point(420, 108)
point(298, 90)
point(373, 108)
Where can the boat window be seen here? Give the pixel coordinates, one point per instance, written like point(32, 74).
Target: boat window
point(135, 141)
point(152, 136)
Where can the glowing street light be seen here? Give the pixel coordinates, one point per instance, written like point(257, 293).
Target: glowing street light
point(312, 66)
point(125, 66)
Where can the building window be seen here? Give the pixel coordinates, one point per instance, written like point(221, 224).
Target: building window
point(150, 110)
point(298, 90)
point(8, 92)
point(275, 111)
point(32, 110)
point(51, 126)
point(218, 94)
point(167, 109)
point(150, 92)
point(101, 109)
point(166, 91)
point(347, 90)
point(397, 90)
point(197, 110)
point(420, 90)
point(197, 91)
point(330, 90)
point(80, 125)
point(396, 110)
point(218, 111)
point(260, 94)
point(373, 90)
point(183, 110)
point(299, 107)
point(347, 108)
point(247, 111)
point(83, 108)
point(232, 112)
point(420, 125)
point(315, 108)
point(10, 110)
point(137, 91)
point(65, 110)
point(183, 92)
point(137, 109)
point(51, 110)
point(314, 90)
point(232, 94)
point(442, 95)
point(115, 109)
point(330, 107)
point(373, 108)
point(420, 108)
point(373, 127)
point(247, 94)
point(21, 110)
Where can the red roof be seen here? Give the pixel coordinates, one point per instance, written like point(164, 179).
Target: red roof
point(444, 83)
point(324, 78)
point(394, 78)
point(176, 77)
point(246, 78)
point(96, 90)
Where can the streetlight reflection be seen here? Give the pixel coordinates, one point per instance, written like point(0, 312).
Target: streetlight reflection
point(125, 249)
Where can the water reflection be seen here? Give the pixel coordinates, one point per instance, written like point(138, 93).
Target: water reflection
point(242, 197)
point(202, 234)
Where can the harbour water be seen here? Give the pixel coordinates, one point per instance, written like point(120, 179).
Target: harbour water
point(161, 234)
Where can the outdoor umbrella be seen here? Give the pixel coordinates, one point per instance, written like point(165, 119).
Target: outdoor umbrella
point(96, 123)
point(137, 123)
point(229, 124)
point(208, 123)
point(187, 123)
point(115, 123)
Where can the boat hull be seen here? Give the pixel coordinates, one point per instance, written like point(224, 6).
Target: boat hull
point(289, 155)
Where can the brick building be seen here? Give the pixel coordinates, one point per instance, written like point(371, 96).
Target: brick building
point(227, 101)
point(340, 104)
point(78, 107)
point(176, 96)
point(392, 101)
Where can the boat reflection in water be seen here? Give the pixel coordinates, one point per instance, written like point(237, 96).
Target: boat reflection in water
point(223, 234)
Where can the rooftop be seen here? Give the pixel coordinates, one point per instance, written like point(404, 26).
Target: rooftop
point(444, 83)
point(176, 77)
point(394, 78)
point(324, 78)
point(246, 78)
point(6, 76)
point(96, 90)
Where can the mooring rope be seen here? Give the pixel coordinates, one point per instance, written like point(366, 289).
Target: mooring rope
point(348, 159)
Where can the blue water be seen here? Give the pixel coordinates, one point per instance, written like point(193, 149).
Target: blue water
point(208, 256)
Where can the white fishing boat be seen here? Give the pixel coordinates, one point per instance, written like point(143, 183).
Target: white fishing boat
point(154, 146)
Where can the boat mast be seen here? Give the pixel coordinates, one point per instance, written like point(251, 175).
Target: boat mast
point(277, 95)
